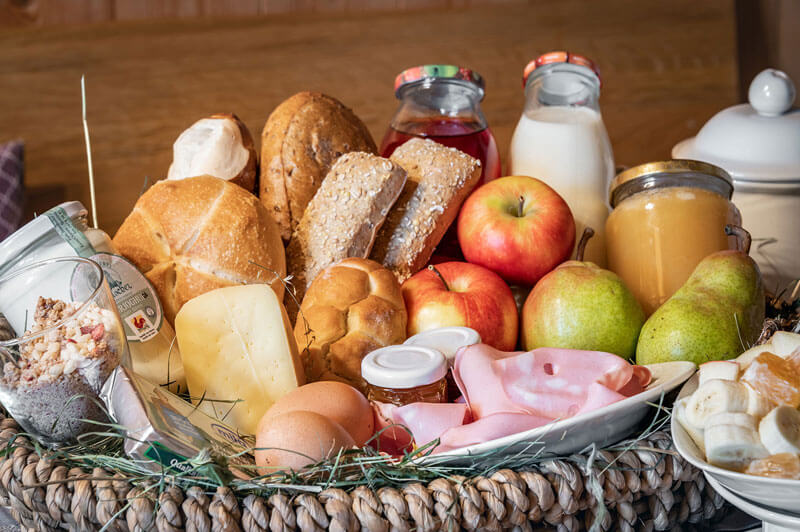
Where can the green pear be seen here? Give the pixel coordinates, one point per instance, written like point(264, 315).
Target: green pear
point(716, 315)
point(579, 305)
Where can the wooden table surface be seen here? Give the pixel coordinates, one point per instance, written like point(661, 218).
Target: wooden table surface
point(666, 67)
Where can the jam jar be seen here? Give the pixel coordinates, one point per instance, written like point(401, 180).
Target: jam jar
point(447, 340)
point(405, 374)
point(667, 216)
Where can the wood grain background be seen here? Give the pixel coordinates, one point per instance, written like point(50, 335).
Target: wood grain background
point(666, 66)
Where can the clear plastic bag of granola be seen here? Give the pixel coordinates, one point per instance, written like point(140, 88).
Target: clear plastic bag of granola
point(67, 339)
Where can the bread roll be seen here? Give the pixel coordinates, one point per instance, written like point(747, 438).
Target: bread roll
point(439, 180)
point(351, 308)
point(220, 146)
point(343, 218)
point(194, 235)
point(302, 138)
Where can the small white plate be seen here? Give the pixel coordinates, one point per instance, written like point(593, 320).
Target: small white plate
point(774, 520)
point(779, 493)
point(603, 426)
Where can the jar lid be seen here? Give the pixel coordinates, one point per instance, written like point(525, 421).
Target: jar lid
point(431, 72)
point(559, 57)
point(447, 340)
point(757, 142)
point(403, 366)
point(21, 239)
point(674, 172)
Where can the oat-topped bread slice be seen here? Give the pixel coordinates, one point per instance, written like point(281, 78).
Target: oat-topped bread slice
point(344, 216)
point(439, 180)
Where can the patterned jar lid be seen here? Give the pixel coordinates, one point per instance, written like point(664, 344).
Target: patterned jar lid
point(430, 72)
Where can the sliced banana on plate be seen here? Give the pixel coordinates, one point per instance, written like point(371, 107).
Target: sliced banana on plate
point(713, 397)
point(733, 446)
point(780, 430)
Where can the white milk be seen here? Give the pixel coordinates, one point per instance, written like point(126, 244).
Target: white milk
point(568, 148)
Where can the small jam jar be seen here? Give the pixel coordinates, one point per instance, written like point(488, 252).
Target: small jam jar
point(447, 340)
point(405, 374)
point(667, 216)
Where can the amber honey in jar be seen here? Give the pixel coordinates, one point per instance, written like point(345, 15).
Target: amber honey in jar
point(405, 374)
point(667, 216)
point(447, 340)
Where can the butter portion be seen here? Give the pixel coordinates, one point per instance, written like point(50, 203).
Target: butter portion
point(237, 344)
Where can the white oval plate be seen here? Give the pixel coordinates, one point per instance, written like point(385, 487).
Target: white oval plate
point(603, 426)
point(786, 521)
point(779, 493)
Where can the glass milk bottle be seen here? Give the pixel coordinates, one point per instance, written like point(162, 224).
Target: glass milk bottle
point(561, 140)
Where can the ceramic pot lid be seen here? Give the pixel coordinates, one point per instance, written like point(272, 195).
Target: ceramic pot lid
point(757, 142)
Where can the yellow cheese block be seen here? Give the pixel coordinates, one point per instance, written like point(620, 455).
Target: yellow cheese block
point(237, 343)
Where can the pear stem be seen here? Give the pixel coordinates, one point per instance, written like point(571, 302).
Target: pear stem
point(432, 268)
point(520, 206)
point(742, 234)
point(587, 234)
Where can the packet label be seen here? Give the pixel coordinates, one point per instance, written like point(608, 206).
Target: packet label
point(135, 297)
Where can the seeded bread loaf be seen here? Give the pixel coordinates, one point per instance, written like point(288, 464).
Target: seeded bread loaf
point(193, 235)
point(351, 308)
point(439, 180)
point(302, 138)
point(343, 217)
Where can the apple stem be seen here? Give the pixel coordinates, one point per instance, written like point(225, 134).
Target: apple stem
point(587, 234)
point(742, 234)
point(520, 206)
point(432, 268)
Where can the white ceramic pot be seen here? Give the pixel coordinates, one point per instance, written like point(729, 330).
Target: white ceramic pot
point(759, 145)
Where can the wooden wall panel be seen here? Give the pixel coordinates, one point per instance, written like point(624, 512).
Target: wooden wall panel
point(666, 67)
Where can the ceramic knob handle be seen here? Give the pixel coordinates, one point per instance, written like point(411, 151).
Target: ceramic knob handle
point(771, 92)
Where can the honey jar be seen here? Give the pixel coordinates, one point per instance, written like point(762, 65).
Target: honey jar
point(667, 216)
point(405, 374)
point(448, 340)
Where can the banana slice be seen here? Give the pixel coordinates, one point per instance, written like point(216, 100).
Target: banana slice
point(785, 343)
point(758, 406)
point(727, 370)
point(715, 396)
point(732, 418)
point(780, 430)
point(748, 356)
point(696, 434)
point(732, 446)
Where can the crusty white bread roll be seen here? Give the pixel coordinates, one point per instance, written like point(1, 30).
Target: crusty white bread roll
point(343, 218)
point(219, 146)
point(439, 180)
point(351, 308)
point(302, 138)
point(193, 235)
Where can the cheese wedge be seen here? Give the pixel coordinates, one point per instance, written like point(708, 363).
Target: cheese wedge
point(237, 344)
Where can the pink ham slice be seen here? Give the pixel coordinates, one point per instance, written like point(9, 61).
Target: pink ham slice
point(507, 393)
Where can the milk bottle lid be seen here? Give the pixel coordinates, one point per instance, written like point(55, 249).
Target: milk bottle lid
point(559, 57)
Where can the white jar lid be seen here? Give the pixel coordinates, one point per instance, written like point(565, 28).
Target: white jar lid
point(403, 366)
point(447, 340)
point(757, 142)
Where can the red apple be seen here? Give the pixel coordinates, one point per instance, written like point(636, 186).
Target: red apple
point(460, 293)
point(517, 227)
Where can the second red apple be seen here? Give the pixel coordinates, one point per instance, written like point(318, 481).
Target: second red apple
point(462, 294)
point(518, 227)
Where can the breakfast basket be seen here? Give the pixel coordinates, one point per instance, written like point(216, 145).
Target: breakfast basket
point(642, 485)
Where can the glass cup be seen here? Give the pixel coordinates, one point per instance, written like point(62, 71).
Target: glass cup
point(60, 338)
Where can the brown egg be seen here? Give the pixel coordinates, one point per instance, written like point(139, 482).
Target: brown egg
point(337, 401)
point(296, 439)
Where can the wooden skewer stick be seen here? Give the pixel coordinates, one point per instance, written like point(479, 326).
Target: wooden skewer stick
point(88, 152)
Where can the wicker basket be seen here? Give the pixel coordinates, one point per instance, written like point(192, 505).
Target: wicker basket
point(647, 488)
